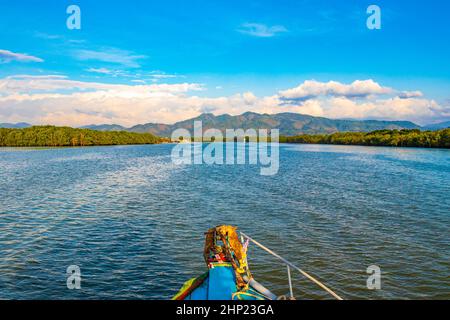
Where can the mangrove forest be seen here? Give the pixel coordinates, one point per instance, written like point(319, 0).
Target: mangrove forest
point(388, 138)
point(51, 136)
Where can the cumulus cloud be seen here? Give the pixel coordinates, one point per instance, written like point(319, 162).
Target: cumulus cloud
point(261, 30)
point(394, 108)
point(313, 89)
point(55, 99)
point(362, 99)
point(8, 56)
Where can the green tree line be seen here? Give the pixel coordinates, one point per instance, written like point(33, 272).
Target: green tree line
point(51, 136)
point(390, 138)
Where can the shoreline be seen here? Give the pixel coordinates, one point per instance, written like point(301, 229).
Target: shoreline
point(208, 142)
point(56, 137)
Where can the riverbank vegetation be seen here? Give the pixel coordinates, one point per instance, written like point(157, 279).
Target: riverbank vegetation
point(51, 136)
point(389, 138)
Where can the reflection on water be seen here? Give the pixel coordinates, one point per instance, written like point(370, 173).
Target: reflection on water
point(134, 222)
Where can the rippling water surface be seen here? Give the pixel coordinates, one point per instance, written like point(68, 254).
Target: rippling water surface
point(134, 222)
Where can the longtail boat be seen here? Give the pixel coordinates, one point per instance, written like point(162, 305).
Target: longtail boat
point(228, 276)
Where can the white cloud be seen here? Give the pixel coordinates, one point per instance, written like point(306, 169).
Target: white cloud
point(163, 76)
point(138, 81)
point(55, 99)
point(261, 30)
point(110, 55)
point(100, 70)
point(394, 108)
point(8, 56)
point(28, 84)
point(157, 75)
point(47, 36)
point(313, 89)
point(410, 94)
point(362, 99)
point(112, 72)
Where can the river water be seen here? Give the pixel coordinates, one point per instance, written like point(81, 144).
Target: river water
point(133, 221)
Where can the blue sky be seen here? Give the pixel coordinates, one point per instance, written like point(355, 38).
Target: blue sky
point(230, 48)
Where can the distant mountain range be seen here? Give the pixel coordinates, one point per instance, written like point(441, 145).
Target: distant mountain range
point(19, 125)
point(437, 126)
point(289, 124)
